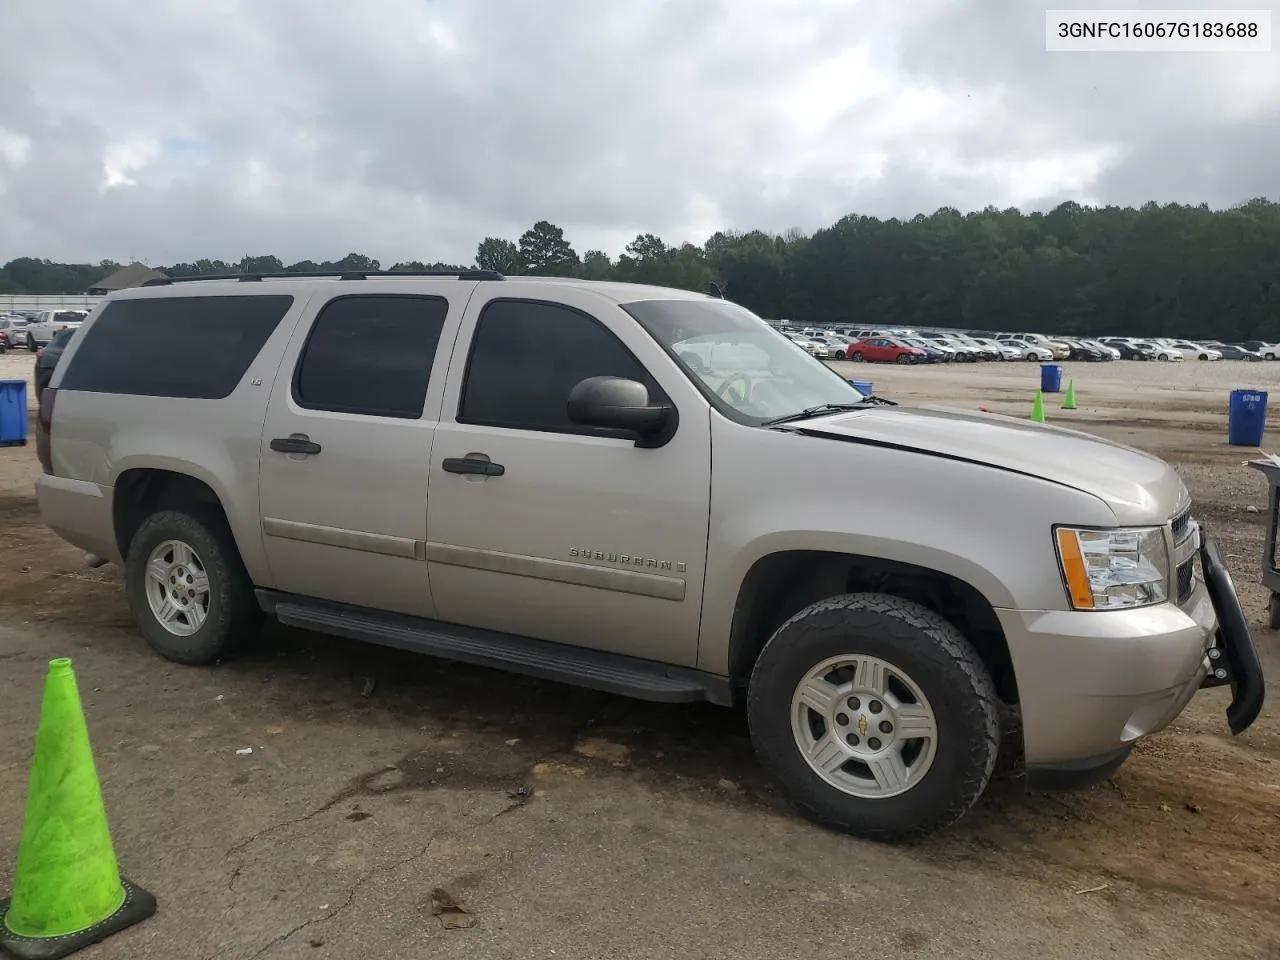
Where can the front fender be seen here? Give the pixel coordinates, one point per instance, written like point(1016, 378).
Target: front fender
point(776, 491)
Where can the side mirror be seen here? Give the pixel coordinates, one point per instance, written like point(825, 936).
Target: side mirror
point(617, 404)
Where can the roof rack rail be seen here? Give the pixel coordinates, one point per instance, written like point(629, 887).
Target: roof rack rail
point(327, 274)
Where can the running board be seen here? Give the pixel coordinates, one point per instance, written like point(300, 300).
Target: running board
point(579, 666)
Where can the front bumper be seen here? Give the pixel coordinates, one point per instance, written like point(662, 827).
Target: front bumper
point(1091, 684)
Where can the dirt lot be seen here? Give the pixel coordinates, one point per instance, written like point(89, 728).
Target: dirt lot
point(381, 783)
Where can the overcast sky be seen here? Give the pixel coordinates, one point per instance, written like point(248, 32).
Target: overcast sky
point(167, 130)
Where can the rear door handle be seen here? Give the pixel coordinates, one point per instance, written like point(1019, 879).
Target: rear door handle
point(298, 443)
point(474, 465)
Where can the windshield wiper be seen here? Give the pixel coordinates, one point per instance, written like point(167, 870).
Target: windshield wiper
point(817, 411)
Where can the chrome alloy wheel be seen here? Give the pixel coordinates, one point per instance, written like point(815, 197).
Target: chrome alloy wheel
point(177, 588)
point(864, 726)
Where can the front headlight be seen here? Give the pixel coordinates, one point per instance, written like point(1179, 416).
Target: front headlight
point(1114, 569)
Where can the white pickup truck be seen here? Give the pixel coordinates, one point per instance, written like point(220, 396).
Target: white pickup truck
point(40, 331)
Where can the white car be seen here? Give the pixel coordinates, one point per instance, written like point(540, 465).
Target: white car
point(1006, 350)
point(1105, 348)
point(954, 350)
point(1161, 351)
point(838, 345)
point(1270, 351)
point(39, 332)
point(820, 347)
point(1191, 351)
point(1057, 348)
point(808, 345)
point(948, 353)
point(1029, 351)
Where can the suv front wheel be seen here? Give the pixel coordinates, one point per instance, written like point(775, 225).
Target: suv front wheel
point(876, 714)
point(187, 587)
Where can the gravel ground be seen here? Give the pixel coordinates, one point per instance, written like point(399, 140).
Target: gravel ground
point(381, 783)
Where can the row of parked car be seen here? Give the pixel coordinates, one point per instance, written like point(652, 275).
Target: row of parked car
point(936, 346)
point(35, 329)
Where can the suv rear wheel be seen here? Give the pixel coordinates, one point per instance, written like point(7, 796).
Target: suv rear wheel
point(876, 714)
point(187, 586)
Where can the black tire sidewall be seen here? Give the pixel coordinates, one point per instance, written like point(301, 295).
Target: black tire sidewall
point(229, 590)
point(963, 757)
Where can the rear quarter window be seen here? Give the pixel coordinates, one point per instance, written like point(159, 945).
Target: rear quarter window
point(190, 347)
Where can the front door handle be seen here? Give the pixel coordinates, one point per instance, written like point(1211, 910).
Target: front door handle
point(298, 443)
point(484, 468)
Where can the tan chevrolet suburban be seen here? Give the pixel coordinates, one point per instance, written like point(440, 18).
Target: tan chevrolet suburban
point(647, 491)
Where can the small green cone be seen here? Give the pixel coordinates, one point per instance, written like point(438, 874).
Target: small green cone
point(1069, 401)
point(67, 888)
point(1037, 409)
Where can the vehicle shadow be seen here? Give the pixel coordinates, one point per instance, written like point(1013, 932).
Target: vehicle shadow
point(699, 746)
point(1137, 828)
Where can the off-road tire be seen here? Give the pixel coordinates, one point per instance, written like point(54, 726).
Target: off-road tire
point(233, 611)
point(936, 656)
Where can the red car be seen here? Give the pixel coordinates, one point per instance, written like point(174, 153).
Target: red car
point(884, 350)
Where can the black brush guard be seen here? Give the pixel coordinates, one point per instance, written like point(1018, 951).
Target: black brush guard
point(1234, 658)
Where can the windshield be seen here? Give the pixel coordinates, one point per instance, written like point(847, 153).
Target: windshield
point(743, 365)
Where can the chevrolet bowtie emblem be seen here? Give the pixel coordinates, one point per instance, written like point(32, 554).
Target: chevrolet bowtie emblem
point(862, 725)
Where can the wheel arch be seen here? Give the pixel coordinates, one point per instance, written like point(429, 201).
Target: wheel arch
point(140, 491)
point(780, 584)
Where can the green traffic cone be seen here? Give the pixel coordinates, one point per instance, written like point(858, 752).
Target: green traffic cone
point(1037, 409)
point(1069, 401)
point(67, 888)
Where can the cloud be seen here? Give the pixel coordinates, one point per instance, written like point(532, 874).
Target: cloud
point(410, 129)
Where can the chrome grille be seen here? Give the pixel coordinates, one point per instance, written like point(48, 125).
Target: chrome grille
point(1182, 526)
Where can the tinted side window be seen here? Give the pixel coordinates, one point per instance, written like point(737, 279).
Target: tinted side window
point(527, 356)
point(194, 347)
point(371, 355)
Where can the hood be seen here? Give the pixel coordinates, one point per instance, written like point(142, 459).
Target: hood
point(1139, 487)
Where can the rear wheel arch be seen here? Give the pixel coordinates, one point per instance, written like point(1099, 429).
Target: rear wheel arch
point(142, 491)
point(780, 584)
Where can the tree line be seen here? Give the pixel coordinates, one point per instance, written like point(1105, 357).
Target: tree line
point(1159, 270)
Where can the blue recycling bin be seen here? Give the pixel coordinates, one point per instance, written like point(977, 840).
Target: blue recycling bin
point(862, 386)
point(13, 413)
point(1050, 378)
point(1246, 418)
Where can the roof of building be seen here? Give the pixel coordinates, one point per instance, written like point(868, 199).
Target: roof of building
point(134, 275)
